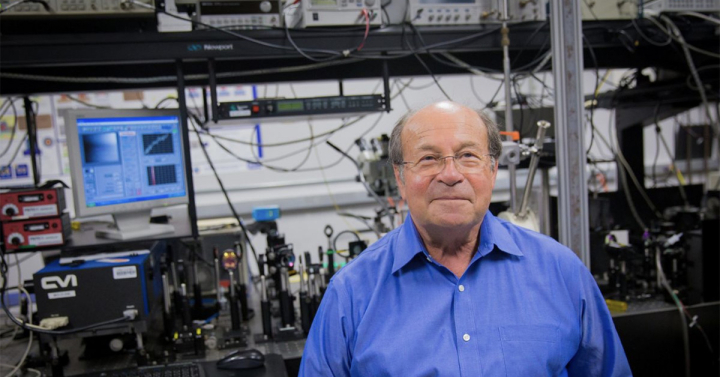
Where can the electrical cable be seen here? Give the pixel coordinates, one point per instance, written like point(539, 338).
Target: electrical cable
point(44, 4)
point(30, 336)
point(274, 168)
point(299, 50)
point(225, 193)
point(88, 104)
point(682, 41)
point(657, 154)
point(369, 189)
point(528, 40)
point(230, 152)
point(327, 186)
point(702, 16)
point(283, 143)
point(625, 167)
point(162, 79)
point(492, 103)
point(595, 92)
point(419, 59)
point(648, 39)
point(696, 76)
point(266, 160)
point(677, 171)
point(353, 232)
point(367, 29)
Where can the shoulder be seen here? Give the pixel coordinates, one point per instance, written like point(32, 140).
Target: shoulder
point(542, 250)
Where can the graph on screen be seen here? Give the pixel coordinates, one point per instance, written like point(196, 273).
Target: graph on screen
point(161, 175)
point(157, 144)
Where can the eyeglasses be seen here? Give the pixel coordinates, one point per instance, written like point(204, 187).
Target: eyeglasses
point(465, 163)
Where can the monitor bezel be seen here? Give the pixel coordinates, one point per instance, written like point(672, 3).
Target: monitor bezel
point(72, 138)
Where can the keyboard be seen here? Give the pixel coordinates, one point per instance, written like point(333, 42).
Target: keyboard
point(167, 370)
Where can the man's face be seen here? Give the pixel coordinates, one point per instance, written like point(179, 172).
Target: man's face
point(449, 198)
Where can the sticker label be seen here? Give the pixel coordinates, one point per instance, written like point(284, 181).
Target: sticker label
point(240, 113)
point(37, 211)
point(125, 272)
point(46, 239)
point(62, 294)
point(22, 171)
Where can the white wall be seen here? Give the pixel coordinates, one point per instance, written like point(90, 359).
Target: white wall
point(304, 196)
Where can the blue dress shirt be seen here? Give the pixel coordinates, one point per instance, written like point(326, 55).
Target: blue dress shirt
point(525, 306)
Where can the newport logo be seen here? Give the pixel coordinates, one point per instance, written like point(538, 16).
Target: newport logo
point(54, 282)
point(209, 47)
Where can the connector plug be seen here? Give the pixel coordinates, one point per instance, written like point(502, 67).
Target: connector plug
point(54, 322)
point(130, 314)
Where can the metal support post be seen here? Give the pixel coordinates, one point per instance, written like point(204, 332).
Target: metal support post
point(182, 103)
point(567, 50)
point(505, 31)
point(213, 90)
point(31, 126)
point(386, 85)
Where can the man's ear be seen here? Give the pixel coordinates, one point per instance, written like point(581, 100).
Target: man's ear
point(400, 181)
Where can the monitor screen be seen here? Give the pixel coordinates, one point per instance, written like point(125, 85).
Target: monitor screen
point(125, 160)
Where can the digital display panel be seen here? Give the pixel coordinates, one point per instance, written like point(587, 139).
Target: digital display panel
point(290, 106)
point(323, 2)
point(447, 1)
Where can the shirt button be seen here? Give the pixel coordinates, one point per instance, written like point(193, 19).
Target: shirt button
point(466, 337)
point(461, 288)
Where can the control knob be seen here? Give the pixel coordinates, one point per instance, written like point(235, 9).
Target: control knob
point(16, 239)
point(10, 210)
point(265, 6)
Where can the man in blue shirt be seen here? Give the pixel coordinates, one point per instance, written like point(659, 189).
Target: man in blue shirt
point(455, 291)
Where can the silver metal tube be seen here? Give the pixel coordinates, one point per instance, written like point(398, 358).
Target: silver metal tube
point(242, 275)
point(567, 52)
point(534, 160)
point(263, 289)
point(232, 283)
point(139, 340)
point(217, 280)
point(302, 276)
point(166, 294)
point(311, 285)
point(545, 201)
point(284, 280)
point(505, 31)
point(173, 271)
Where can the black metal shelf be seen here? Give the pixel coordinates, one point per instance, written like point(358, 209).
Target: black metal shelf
point(150, 54)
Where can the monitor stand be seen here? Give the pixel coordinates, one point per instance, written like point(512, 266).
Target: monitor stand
point(133, 225)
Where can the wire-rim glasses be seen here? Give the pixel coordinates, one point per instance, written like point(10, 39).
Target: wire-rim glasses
point(465, 163)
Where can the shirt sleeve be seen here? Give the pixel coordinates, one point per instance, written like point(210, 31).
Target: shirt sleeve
point(327, 349)
point(600, 352)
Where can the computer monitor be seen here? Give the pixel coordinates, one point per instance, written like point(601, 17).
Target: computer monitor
point(125, 163)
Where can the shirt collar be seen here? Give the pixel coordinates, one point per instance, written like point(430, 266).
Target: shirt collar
point(492, 234)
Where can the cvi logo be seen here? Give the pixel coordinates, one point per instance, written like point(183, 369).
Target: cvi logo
point(55, 282)
point(195, 47)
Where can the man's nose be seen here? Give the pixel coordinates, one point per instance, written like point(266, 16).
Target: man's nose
point(449, 174)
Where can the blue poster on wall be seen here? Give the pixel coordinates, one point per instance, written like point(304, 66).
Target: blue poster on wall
point(21, 171)
point(5, 172)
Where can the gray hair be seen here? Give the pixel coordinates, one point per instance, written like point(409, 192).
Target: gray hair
point(396, 150)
